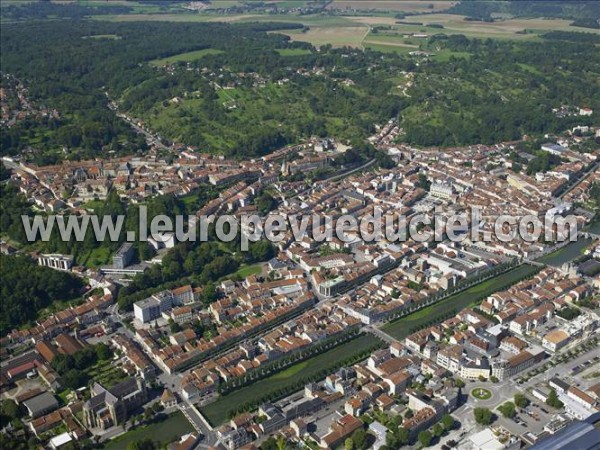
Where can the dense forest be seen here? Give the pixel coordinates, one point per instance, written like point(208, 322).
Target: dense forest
point(199, 263)
point(500, 90)
point(247, 94)
point(48, 10)
point(84, 62)
point(13, 205)
point(24, 295)
point(485, 9)
point(202, 262)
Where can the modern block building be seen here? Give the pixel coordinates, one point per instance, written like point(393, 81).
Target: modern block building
point(124, 256)
point(151, 308)
point(56, 261)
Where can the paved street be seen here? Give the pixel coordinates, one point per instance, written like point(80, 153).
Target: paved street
point(564, 370)
point(198, 423)
point(379, 333)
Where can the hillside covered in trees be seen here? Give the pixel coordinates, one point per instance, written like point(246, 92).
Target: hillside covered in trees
point(244, 89)
point(27, 288)
point(485, 9)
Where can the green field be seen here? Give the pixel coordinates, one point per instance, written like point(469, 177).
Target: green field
point(96, 257)
point(185, 57)
point(594, 227)
point(291, 371)
point(341, 32)
point(567, 253)
point(445, 55)
point(214, 4)
point(246, 271)
point(169, 430)
point(387, 48)
point(112, 37)
point(218, 411)
point(271, 105)
point(402, 327)
point(410, 6)
point(398, 36)
point(337, 36)
point(293, 51)
point(94, 205)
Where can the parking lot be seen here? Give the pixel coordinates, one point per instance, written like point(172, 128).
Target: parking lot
point(532, 419)
point(585, 366)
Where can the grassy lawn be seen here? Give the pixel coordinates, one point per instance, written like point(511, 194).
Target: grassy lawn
point(445, 55)
point(402, 327)
point(337, 36)
point(247, 271)
point(222, 4)
point(481, 394)
point(190, 199)
point(594, 228)
point(412, 6)
point(94, 204)
point(567, 253)
point(395, 39)
point(186, 57)
point(340, 29)
point(218, 411)
point(293, 51)
point(169, 430)
point(63, 396)
point(112, 37)
point(384, 48)
point(195, 200)
point(505, 29)
point(389, 47)
point(290, 371)
point(97, 257)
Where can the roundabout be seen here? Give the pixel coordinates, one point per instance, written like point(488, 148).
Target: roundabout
point(481, 393)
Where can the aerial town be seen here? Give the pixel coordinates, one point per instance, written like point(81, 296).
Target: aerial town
point(435, 377)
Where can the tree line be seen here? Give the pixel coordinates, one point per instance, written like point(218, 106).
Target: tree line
point(23, 296)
